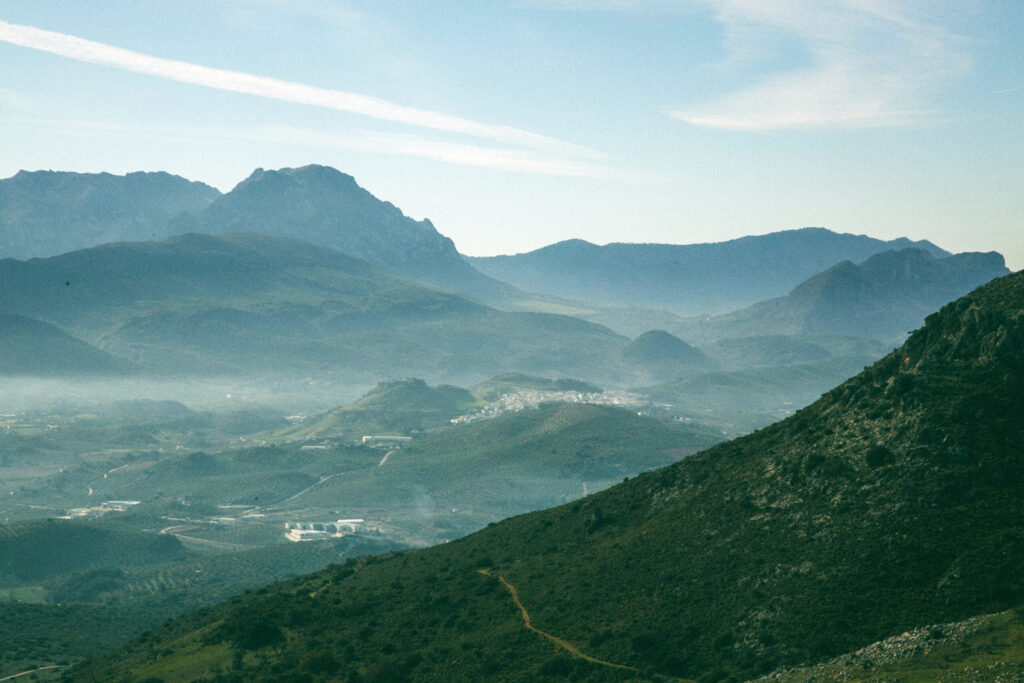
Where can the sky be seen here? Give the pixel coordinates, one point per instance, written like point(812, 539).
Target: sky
point(513, 124)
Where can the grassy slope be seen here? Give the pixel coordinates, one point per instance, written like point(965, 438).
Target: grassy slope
point(891, 503)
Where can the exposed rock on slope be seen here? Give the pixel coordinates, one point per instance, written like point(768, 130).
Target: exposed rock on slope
point(892, 503)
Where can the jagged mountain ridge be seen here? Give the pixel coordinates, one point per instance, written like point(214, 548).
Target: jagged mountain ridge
point(690, 279)
point(48, 213)
point(321, 205)
point(891, 503)
point(45, 213)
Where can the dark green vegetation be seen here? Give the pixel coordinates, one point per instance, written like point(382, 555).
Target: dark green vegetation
point(35, 636)
point(44, 213)
point(97, 584)
point(891, 503)
point(33, 551)
point(882, 298)
point(31, 347)
point(690, 279)
point(400, 407)
point(192, 539)
point(252, 304)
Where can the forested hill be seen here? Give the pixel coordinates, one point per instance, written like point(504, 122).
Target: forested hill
point(891, 503)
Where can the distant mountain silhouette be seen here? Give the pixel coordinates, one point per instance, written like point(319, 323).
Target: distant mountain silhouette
point(664, 354)
point(689, 279)
point(321, 205)
point(44, 213)
point(883, 298)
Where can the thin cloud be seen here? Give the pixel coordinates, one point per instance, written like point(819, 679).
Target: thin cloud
point(83, 50)
point(873, 64)
point(378, 142)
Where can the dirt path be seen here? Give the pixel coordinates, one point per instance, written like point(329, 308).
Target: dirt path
point(386, 456)
point(565, 645)
point(31, 671)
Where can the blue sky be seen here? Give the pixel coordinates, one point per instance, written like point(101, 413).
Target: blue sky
point(513, 124)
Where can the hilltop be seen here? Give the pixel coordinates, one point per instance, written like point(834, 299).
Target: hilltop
point(889, 504)
point(394, 407)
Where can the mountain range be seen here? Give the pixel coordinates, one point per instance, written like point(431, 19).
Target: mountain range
point(321, 205)
point(256, 304)
point(892, 503)
point(45, 213)
point(882, 298)
point(691, 279)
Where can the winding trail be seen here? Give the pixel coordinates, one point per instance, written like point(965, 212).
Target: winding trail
point(565, 645)
point(31, 671)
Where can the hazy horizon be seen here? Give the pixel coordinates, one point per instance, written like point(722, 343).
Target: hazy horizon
point(517, 124)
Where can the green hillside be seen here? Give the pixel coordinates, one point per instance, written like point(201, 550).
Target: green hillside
point(892, 503)
point(32, 551)
point(31, 347)
point(397, 407)
point(439, 486)
point(741, 401)
point(253, 304)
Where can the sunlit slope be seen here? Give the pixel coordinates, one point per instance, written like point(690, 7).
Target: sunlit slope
point(891, 503)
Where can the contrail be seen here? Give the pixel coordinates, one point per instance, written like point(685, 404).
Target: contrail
point(83, 50)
